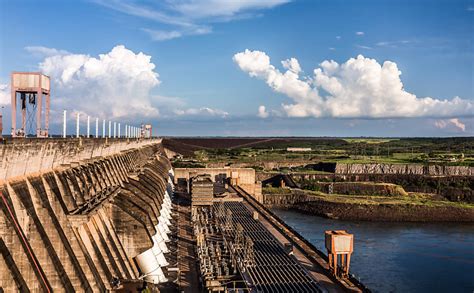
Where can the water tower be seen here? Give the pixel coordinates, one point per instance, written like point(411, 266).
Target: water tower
point(28, 89)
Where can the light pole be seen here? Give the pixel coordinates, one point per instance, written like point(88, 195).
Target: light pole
point(96, 127)
point(88, 125)
point(64, 123)
point(77, 124)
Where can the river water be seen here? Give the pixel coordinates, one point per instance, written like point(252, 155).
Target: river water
point(400, 257)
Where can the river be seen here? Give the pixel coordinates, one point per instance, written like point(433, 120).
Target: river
point(400, 257)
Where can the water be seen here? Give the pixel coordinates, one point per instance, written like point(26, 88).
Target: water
point(400, 257)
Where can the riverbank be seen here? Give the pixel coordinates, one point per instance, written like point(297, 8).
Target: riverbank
point(414, 207)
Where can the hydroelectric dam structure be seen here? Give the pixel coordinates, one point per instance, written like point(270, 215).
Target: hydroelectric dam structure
point(109, 215)
point(106, 212)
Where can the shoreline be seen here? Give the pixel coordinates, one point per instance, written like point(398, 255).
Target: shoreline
point(356, 209)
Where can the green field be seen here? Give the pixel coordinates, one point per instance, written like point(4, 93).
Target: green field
point(441, 151)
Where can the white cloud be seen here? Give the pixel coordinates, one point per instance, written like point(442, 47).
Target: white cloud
point(41, 51)
point(360, 33)
point(5, 95)
point(160, 35)
point(147, 12)
point(262, 112)
point(453, 123)
point(218, 8)
point(168, 103)
point(395, 44)
point(112, 85)
point(364, 47)
point(203, 111)
point(189, 17)
point(292, 65)
point(172, 106)
point(358, 88)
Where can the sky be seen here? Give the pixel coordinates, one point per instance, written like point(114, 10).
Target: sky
point(386, 68)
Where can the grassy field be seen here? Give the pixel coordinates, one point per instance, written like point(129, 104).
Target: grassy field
point(444, 151)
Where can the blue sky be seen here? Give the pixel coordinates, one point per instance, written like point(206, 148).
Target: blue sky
point(201, 89)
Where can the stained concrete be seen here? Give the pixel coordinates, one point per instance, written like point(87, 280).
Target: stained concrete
point(75, 213)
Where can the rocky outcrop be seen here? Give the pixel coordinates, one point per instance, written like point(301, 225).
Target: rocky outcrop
point(453, 188)
point(416, 169)
point(285, 200)
point(357, 188)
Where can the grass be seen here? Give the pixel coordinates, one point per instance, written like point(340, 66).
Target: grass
point(275, 190)
point(441, 151)
point(412, 198)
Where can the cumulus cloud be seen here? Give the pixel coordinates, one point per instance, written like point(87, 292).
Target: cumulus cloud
point(360, 33)
point(114, 84)
point(203, 111)
point(5, 95)
point(358, 88)
point(453, 123)
point(262, 112)
point(292, 64)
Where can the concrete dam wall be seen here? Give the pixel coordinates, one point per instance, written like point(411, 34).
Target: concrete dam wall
point(20, 157)
point(76, 215)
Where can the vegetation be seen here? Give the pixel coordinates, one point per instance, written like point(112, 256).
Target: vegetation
point(414, 199)
point(424, 199)
point(258, 151)
point(275, 190)
point(187, 164)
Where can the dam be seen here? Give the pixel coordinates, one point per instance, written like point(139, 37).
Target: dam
point(112, 215)
point(83, 215)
